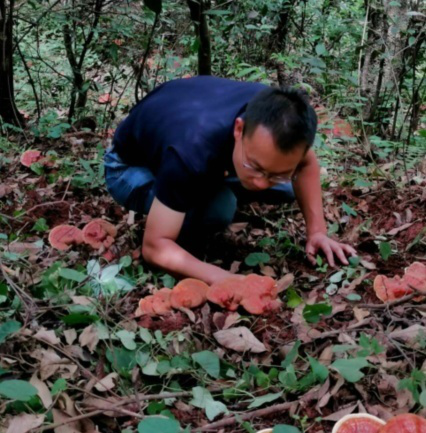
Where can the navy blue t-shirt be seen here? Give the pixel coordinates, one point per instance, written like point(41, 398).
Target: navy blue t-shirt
point(183, 132)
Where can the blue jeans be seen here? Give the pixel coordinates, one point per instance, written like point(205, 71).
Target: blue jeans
point(132, 187)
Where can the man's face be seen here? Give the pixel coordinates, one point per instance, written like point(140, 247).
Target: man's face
point(258, 161)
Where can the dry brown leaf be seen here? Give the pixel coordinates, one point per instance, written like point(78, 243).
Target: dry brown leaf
point(336, 416)
point(51, 363)
point(47, 336)
point(5, 189)
point(285, 282)
point(360, 314)
point(31, 248)
point(396, 230)
point(268, 271)
point(24, 423)
point(70, 335)
point(237, 227)
point(71, 427)
point(231, 319)
point(368, 265)
point(240, 339)
point(83, 300)
point(89, 337)
point(107, 405)
point(106, 383)
point(409, 335)
point(43, 391)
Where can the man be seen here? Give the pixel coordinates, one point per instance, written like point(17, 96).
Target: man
point(188, 149)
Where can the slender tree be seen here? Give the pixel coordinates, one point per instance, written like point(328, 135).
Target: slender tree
point(8, 110)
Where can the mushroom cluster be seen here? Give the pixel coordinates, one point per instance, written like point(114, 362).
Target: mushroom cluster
point(97, 233)
point(390, 289)
point(188, 293)
point(365, 423)
point(255, 293)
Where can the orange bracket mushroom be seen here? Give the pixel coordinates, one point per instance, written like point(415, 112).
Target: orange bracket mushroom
point(30, 157)
point(358, 423)
point(390, 289)
point(189, 293)
point(405, 423)
point(257, 294)
point(63, 236)
point(99, 233)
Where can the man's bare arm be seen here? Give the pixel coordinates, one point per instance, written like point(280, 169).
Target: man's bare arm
point(309, 196)
point(160, 248)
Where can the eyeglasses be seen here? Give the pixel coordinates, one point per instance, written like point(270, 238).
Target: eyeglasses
point(258, 173)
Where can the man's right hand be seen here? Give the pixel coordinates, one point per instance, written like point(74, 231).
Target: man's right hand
point(160, 248)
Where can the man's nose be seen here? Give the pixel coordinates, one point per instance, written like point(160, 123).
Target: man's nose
point(261, 182)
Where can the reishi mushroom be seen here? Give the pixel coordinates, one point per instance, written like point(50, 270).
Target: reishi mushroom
point(161, 302)
point(30, 157)
point(63, 236)
point(390, 289)
point(415, 276)
point(227, 293)
point(358, 423)
point(189, 293)
point(99, 233)
point(405, 423)
point(257, 294)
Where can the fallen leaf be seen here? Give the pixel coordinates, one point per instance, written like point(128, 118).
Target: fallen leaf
point(43, 391)
point(360, 314)
point(5, 190)
point(285, 282)
point(106, 383)
point(268, 271)
point(409, 335)
point(336, 416)
point(83, 300)
point(24, 423)
point(70, 335)
point(240, 339)
point(396, 230)
point(231, 319)
point(47, 336)
point(89, 337)
point(368, 265)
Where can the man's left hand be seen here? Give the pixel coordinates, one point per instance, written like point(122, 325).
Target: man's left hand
point(320, 241)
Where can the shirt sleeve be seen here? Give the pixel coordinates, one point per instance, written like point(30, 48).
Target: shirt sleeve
point(175, 185)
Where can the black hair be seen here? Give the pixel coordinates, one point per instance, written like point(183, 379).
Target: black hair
point(286, 113)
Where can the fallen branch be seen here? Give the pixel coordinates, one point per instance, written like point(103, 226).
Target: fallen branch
point(246, 416)
point(116, 405)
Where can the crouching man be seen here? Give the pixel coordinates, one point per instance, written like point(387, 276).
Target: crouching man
point(192, 147)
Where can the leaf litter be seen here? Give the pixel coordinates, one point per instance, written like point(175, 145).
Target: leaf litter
point(77, 343)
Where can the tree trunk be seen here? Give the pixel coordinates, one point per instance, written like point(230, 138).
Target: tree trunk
point(8, 110)
point(201, 27)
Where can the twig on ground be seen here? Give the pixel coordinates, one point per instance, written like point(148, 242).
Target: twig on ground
point(246, 416)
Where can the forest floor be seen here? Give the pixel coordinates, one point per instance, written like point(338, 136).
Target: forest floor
point(72, 334)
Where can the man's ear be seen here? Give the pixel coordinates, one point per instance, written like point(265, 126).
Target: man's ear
point(238, 128)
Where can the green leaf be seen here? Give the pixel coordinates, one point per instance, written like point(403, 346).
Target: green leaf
point(285, 428)
point(337, 277)
point(353, 297)
point(320, 371)
point(59, 386)
point(313, 313)
point(71, 274)
point(354, 261)
point(293, 299)
point(215, 408)
point(127, 339)
point(40, 226)
point(209, 361)
point(255, 259)
point(145, 335)
point(349, 210)
point(158, 424)
point(259, 401)
point(292, 355)
point(321, 50)
point(350, 369)
point(17, 390)
point(204, 400)
point(9, 328)
point(385, 250)
point(79, 319)
point(168, 281)
point(155, 5)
